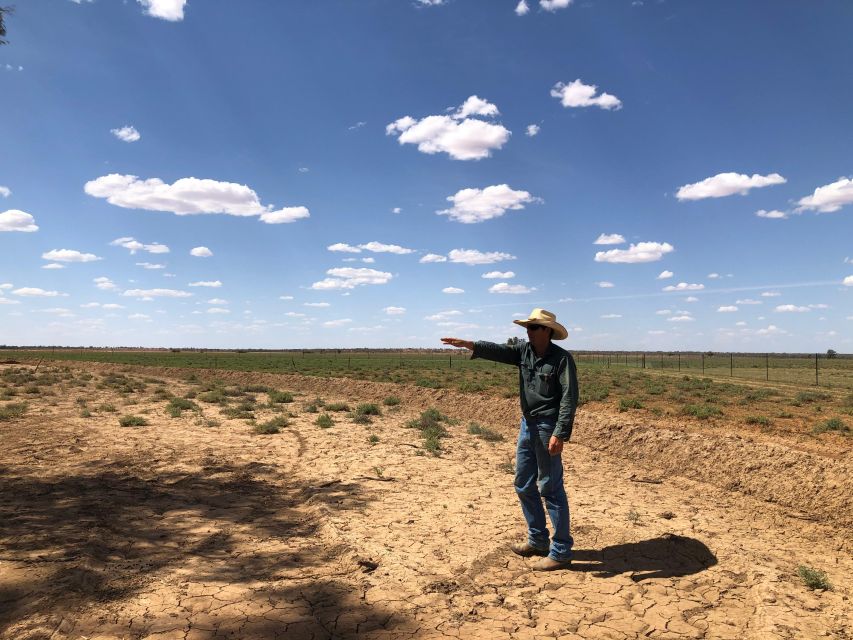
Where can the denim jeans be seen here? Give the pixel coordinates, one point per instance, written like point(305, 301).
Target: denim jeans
point(539, 475)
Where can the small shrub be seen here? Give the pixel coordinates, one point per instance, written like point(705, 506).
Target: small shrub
point(337, 406)
point(629, 403)
point(373, 439)
point(833, 424)
point(132, 421)
point(760, 420)
point(811, 396)
point(813, 578)
point(760, 394)
point(391, 401)
point(107, 408)
point(311, 408)
point(161, 394)
point(361, 418)
point(271, 426)
point(178, 405)
point(324, 421)
point(785, 414)
point(506, 467)
point(471, 387)
point(368, 409)
point(85, 413)
point(633, 517)
point(593, 392)
point(280, 397)
point(428, 384)
point(432, 430)
point(191, 394)
point(848, 401)
point(214, 396)
point(485, 433)
point(701, 411)
point(13, 410)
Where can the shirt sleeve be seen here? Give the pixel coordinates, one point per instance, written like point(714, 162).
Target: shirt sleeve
point(497, 352)
point(569, 400)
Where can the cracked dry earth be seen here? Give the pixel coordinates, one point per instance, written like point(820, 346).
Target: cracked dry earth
point(181, 530)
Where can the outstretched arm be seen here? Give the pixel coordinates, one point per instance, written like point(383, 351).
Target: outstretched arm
point(456, 342)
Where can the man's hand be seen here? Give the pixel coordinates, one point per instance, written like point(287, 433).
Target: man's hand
point(456, 342)
point(555, 446)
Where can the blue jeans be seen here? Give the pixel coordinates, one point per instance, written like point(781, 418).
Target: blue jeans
point(540, 475)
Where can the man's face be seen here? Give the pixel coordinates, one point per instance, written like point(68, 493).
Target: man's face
point(538, 335)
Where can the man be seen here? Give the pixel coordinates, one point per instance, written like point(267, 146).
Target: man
point(548, 389)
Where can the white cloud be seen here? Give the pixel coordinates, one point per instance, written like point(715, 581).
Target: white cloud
point(104, 283)
point(5, 191)
point(318, 305)
point(69, 255)
point(218, 310)
point(396, 210)
point(444, 315)
point(90, 305)
point(819, 306)
point(656, 332)
point(187, 196)
point(714, 276)
point(691, 299)
point(217, 301)
point(640, 252)
point(663, 312)
point(138, 316)
point(609, 316)
point(171, 10)
point(791, 308)
point(53, 265)
point(773, 215)
point(378, 247)
point(215, 284)
point(663, 275)
point(473, 256)
point(578, 94)
point(394, 311)
point(294, 314)
point(727, 309)
point(8, 301)
point(357, 125)
point(505, 287)
point(342, 246)
point(683, 286)
point(17, 220)
point(285, 297)
point(126, 134)
point(478, 205)
point(493, 275)
point(770, 294)
point(830, 197)
point(532, 130)
point(452, 290)
point(609, 238)
point(337, 323)
point(285, 215)
point(351, 277)
point(149, 265)
point(368, 260)
point(433, 257)
point(848, 281)
point(458, 135)
point(6, 285)
point(680, 319)
point(133, 245)
point(748, 301)
point(521, 9)
point(771, 330)
point(156, 293)
point(156, 248)
point(605, 285)
point(727, 184)
point(553, 5)
point(201, 252)
point(35, 292)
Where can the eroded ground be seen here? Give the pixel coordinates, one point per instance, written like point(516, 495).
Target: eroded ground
point(196, 527)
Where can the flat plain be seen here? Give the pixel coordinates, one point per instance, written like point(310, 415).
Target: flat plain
point(155, 502)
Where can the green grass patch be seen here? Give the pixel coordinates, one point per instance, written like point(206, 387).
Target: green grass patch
point(813, 578)
point(833, 424)
point(337, 406)
point(324, 421)
point(280, 397)
point(106, 407)
point(763, 421)
point(430, 424)
point(132, 421)
point(13, 410)
point(391, 401)
point(593, 391)
point(476, 429)
point(806, 397)
point(177, 406)
point(368, 409)
point(214, 396)
point(373, 439)
point(360, 418)
point(271, 426)
point(626, 404)
point(701, 411)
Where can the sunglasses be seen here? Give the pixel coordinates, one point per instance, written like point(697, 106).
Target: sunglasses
point(534, 327)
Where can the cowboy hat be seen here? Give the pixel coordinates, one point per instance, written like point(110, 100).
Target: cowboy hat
point(546, 319)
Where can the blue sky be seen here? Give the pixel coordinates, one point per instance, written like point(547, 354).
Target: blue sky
point(661, 175)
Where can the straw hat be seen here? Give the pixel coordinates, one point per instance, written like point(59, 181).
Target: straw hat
point(546, 319)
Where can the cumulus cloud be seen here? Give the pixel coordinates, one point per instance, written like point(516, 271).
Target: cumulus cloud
point(640, 252)
point(218, 301)
point(663, 312)
point(133, 245)
point(36, 292)
point(532, 130)
point(770, 294)
point(285, 297)
point(53, 265)
point(5, 191)
point(104, 283)
point(553, 5)
point(505, 287)
point(459, 135)
point(473, 256)
point(684, 286)
point(318, 305)
point(522, 9)
point(396, 210)
point(17, 220)
point(433, 257)
point(188, 196)
point(351, 277)
point(773, 215)
point(378, 247)
point(126, 134)
point(748, 301)
point(830, 197)
point(771, 330)
point(342, 246)
point(691, 299)
point(394, 311)
point(201, 252)
point(171, 10)
point(663, 275)
point(605, 285)
point(577, 94)
point(683, 318)
point(609, 238)
point(443, 315)
point(610, 316)
point(337, 323)
point(149, 265)
point(727, 184)
point(727, 309)
point(848, 281)
point(69, 255)
point(478, 205)
point(452, 290)
point(218, 310)
point(215, 284)
point(791, 308)
point(498, 275)
point(156, 293)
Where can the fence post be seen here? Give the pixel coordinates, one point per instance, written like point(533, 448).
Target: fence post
point(767, 366)
point(815, 371)
point(731, 364)
point(644, 361)
point(703, 364)
point(679, 361)
point(450, 358)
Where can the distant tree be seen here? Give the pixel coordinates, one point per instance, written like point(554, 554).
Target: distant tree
point(512, 341)
point(3, 11)
point(831, 353)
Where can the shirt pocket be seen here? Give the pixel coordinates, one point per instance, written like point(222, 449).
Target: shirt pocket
point(546, 381)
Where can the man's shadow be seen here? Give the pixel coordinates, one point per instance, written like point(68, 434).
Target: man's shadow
point(669, 556)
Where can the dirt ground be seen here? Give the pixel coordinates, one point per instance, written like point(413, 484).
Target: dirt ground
point(197, 528)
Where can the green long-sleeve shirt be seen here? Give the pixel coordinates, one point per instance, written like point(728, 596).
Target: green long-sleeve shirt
point(547, 386)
